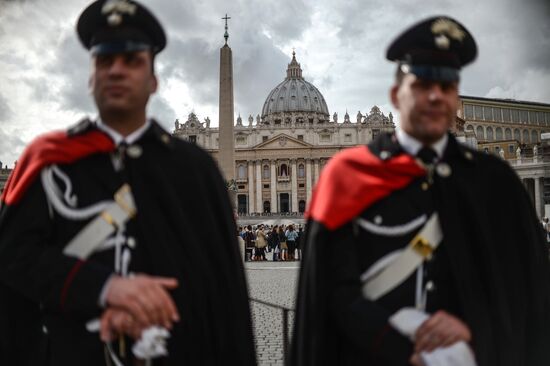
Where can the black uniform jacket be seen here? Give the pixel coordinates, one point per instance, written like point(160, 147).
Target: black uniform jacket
point(184, 228)
point(491, 269)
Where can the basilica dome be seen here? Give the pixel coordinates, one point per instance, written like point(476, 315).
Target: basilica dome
point(294, 94)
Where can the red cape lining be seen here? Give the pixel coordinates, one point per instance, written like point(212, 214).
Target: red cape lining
point(354, 179)
point(51, 148)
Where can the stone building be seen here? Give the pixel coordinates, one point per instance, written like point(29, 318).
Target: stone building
point(504, 124)
point(4, 174)
point(517, 131)
point(280, 153)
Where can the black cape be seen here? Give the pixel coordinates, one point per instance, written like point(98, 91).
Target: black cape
point(496, 251)
point(184, 229)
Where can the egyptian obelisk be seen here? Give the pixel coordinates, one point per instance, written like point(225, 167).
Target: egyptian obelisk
point(226, 154)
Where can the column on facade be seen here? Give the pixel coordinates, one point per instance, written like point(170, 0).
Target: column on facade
point(251, 197)
point(315, 171)
point(309, 181)
point(538, 198)
point(273, 186)
point(294, 186)
point(259, 204)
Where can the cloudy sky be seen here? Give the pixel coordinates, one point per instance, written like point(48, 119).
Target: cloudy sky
point(339, 43)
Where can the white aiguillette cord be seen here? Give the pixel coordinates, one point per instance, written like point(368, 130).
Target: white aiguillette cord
point(392, 273)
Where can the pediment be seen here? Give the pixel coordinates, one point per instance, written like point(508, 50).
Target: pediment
point(280, 141)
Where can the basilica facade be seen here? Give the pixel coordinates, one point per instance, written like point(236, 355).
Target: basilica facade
point(280, 153)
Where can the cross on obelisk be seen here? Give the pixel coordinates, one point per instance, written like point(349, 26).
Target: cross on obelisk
point(226, 35)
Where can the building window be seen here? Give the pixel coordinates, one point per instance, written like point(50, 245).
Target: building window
point(489, 132)
point(283, 170)
point(468, 111)
point(506, 115)
point(534, 137)
point(301, 171)
point(301, 185)
point(375, 133)
point(241, 172)
point(267, 207)
point(540, 118)
point(301, 137)
point(347, 137)
point(241, 140)
point(264, 138)
point(480, 134)
point(478, 112)
point(508, 134)
point(488, 113)
point(523, 117)
point(193, 139)
point(266, 186)
point(511, 149)
point(266, 173)
point(241, 204)
point(517, 134)
point(515, 115)
point(301, 206)
point(241, 187)
point(533, 117)
point(324, 137)
point(526, 138)
point(497, 116)
point(498, 133)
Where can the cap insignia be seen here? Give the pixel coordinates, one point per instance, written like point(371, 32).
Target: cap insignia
point(449, 28)
point(114, 10)
point(442, 42)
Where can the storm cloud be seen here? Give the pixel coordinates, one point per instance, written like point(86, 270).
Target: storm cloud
point(340, 44)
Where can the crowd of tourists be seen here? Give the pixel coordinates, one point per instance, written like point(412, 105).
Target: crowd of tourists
point(281, 242)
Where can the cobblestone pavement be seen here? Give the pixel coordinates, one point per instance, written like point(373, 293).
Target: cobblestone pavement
point(273, 282)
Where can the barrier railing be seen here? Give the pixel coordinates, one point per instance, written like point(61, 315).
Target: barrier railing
point(285, 311)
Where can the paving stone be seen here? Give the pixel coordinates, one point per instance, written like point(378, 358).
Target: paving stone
point(275, 283)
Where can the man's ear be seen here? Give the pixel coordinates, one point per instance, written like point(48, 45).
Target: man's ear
point(91, 83)
point(153, 84)
point(393, 95)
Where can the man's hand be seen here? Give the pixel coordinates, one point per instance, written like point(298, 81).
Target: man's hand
point(440, 330)
point(115, 322)
point(416, 360)
point(145, 298)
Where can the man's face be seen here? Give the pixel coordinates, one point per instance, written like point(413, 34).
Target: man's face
point(427, 108)
point(122, 82)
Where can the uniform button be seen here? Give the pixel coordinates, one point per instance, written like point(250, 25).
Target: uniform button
point(131, 242)
point(430, 286)
point(378, 219)
point(443, 170)
point(134, 151)
point(44, 329)
point(384, 154)
point(165, 139)
point(468, 155)
point(425, 186)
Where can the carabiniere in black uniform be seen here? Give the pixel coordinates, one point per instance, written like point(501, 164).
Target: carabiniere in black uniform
point(385, 227)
